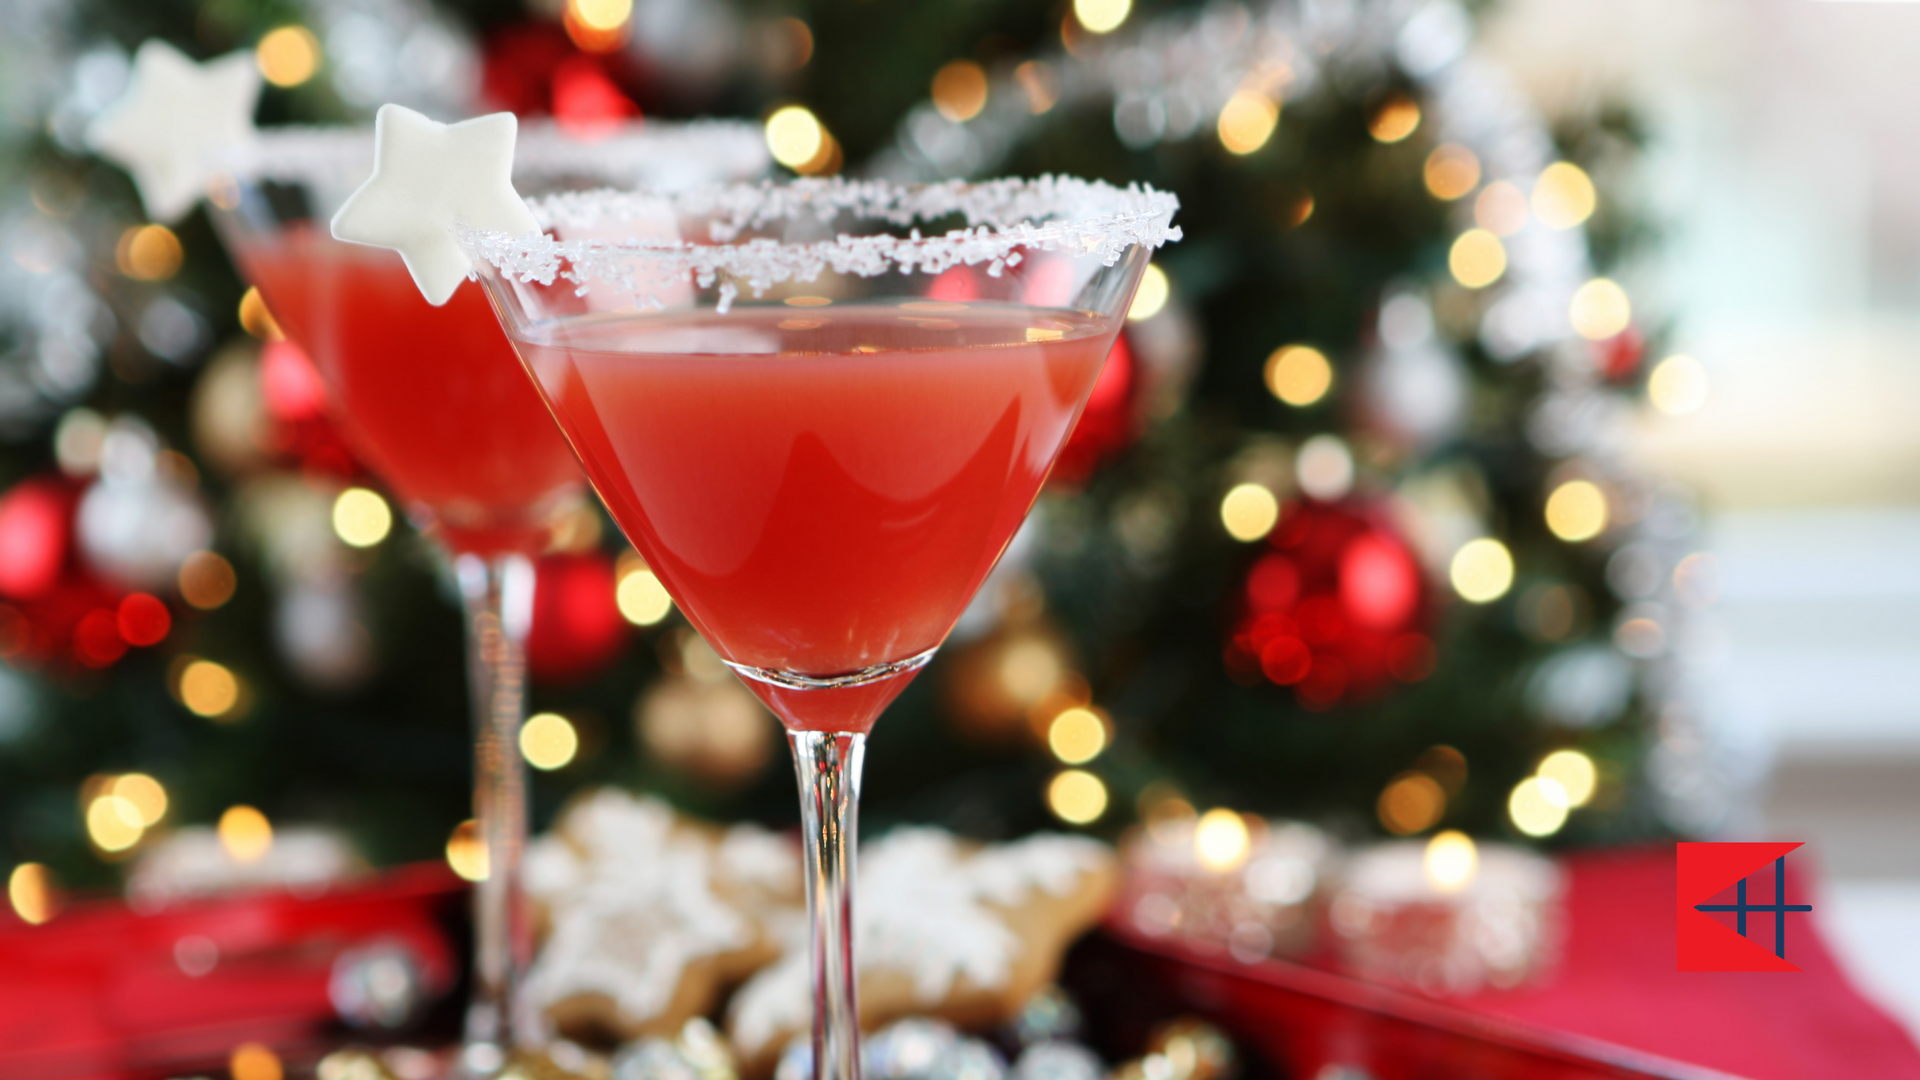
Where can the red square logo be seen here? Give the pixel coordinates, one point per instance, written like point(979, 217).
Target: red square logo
point(1708, 944)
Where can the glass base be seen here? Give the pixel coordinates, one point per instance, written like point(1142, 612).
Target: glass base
point(850, 702)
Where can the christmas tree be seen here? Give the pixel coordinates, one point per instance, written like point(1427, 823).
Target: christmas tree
point(1345, 533)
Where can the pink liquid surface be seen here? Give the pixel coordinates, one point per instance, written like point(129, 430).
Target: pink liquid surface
point(822, 489)
point(432, 398)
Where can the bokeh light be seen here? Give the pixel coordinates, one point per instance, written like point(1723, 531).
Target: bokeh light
point(113, 823)
point(145, 794)
point(1482, 570)
point(790, 45)
point(245, 833)
point(1642, 638)
point(1563, 197)
point(361, 518)
point(288, 56)
point(1452, 861)
point(795, 137)
point(1247, 121)
point(1030, 668)
point(149, 253)
point(254, 1061)
point(1395, 119)
point(1077, 797)
point(1577, 510)
point(1477, 258)
point(1600, 310)
point(1677, 385)
point(960, 90)
point(1299, 374)
point(1446, 765)
point(97, 641)
point(597, 26)
point(1077, 735)
point(206, 580)
point(1249, 512)
point(1500, 209)
point(78, 441)
point(209, 689)
point(1574, 772)
point(1452, 172)
point(1324, 467)
point(1696, 580)
point(467, 851)
point(642, 600)
point(1412, 802)
point(255, 319)
point(1152, 294)
point(30, 891)
point(548, 741)
point(601, 15)
point(1538, 806)
point(1102, 16)
point(142, 619)
point(1220, 840)
point(1039, 83)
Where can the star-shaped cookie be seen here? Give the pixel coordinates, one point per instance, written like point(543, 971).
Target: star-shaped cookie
point(175, 114)
point(427, 178)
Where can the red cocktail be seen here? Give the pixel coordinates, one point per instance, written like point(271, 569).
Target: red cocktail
point(822, 488)
point(432, 398)
point(436, 402)
point(821, 428)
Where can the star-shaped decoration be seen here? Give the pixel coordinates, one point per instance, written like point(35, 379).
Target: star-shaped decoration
point(428, 177)
point(174, 115)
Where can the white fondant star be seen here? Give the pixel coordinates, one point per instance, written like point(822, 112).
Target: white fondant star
point(174, 114)
point(428, 177)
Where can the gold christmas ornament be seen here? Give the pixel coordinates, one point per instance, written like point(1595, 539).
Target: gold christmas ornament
point(701, 720)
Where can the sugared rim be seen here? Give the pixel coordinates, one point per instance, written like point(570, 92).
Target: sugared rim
point(1004, 218)
point(649, 154)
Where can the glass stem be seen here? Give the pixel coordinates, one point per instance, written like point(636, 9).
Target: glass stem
point(827, 765)
point(499, 599)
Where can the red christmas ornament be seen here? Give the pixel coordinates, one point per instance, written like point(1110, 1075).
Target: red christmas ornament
point(289, 385)
point(577, 627)
point(1620, 355)
point(538, 68)
point(1109, 423)
point(142, 619)
point(518, 63)
point(34, 531)
point(955, 285)
point(96, 639)
point(295, 400)
point(586, 103)
point(53, 607)
point(1336, 607)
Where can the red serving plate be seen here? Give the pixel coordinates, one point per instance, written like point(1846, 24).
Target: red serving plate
point(97, 992)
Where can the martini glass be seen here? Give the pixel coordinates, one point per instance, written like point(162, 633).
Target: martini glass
point(434, 400)
point(821, 428)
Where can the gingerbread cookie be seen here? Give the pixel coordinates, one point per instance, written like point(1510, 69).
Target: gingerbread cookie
point(648, 915)
point(944, 928)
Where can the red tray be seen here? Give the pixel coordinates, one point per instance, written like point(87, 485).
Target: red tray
point(1310, 1022)
point(98, 993)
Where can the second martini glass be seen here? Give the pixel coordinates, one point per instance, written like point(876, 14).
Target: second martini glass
point(821, 429)
point(436, 402)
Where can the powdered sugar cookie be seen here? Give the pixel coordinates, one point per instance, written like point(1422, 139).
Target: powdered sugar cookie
point(944, 928)
point(649, 915)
